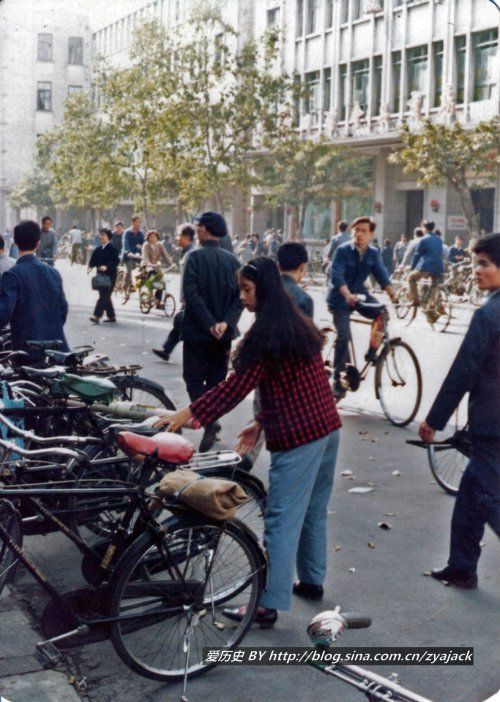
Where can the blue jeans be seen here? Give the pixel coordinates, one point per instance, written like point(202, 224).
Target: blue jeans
point(477, 504)
point(341, 320)
point(300, 485)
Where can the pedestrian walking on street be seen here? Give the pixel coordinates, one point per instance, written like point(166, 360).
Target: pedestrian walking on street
point(281, 355)
point(6, 262)
point(475, 370)
point(400, 250)
point(105, 259)
point(185, 239)
point(133, 239)
point(47, 248)
point(212, 309)
point(32, 298)
point(75, 241)
point(387, 255)
point(117, 238)
point(418, 233)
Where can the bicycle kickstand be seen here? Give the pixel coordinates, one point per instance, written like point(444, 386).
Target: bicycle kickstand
point(193, 618)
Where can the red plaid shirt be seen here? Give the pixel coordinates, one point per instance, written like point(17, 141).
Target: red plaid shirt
point(297, 404)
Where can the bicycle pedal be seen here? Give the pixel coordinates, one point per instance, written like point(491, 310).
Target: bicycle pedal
point(47, 653)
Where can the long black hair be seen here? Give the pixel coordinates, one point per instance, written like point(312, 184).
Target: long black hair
point(280, 331)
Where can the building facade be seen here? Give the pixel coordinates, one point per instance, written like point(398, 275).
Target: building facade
point(372, 65)
point(44, 57)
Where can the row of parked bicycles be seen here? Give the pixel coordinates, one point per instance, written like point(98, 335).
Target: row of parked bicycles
point(79, 455)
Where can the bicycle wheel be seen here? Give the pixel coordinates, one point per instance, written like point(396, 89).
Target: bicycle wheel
point(142, 391)
point(476, 296)
point(404, 302)
point(146, 301)
point(10, 521)
point(398, 383)
point(169, 305)
point(220, 564)
point(440, 314)
point(448, 461)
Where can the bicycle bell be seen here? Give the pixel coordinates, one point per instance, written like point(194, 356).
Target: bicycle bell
point(326, 627)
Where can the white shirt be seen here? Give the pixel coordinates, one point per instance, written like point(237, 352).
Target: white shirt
point(75, 236)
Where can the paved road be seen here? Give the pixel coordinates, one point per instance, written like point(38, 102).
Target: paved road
point(387, 582)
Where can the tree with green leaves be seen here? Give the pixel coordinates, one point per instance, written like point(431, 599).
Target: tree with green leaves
point(34, 188)
point(454, 155)
point(301, 172)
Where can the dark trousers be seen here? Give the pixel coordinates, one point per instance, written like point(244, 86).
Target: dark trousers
point(175, 333)
point(205, 365)
point(341, 320)
point(105, 304)
point(477, 504)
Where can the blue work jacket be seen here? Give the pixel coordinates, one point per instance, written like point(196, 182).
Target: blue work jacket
point(428, 255)
point(349, 268)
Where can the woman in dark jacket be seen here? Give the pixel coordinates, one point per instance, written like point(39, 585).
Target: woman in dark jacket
point(105, 259)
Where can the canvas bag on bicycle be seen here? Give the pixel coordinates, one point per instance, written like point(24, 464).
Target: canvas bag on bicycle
point(212, 497)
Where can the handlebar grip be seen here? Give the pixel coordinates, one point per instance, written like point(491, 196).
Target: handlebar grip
point(354, 620)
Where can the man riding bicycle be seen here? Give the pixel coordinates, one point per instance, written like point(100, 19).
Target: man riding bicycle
point(352, 263)
point(427, 261)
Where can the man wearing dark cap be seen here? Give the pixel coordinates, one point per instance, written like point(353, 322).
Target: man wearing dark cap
point(211, 313)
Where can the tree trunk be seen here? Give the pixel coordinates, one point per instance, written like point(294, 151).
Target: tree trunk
point(467, 206)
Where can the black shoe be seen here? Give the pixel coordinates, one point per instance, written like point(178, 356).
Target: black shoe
point(161, 354)
point(109, 321)
point(245, 464)
point(209, 437)
point(265, 618)
point(338, 389)
point(308, 591)
point(459, 578)
point(96, 320)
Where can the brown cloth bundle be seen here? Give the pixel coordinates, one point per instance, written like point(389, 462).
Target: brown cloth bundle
point(213, 497)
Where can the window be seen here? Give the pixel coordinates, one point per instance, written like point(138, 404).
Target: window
point(311, 101)
point(44, 97)
point(344, 11)
point(357, 9)
point(327, 88)
point(460, 68)
point(360, 72)
point(299, 21)
point(377, 84)
point(396, 81)
point(437, 50)
point(417, 70)
point(273, 17)
point(342, 90)
point(329, 14)
point(75, 51)
point(312, 16)
point(44, 47)
point(219, 50)
point(485, 46)
point(72, 89)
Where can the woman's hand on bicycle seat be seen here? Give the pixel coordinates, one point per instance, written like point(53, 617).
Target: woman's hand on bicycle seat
point(178, 419)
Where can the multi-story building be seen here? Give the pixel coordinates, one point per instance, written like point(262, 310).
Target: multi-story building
point(372, 65)
point(44, 57)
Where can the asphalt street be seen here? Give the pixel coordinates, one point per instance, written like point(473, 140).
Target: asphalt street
point(379, 572)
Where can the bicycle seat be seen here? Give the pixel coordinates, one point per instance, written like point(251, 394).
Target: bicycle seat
point(44, 345)
point(48, 373)
point(69, 358)
point(171, 448)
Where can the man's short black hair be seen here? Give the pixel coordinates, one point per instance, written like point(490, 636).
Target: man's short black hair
point(27, 235)
point(187, 230)
point(343, 225)
point(489, 246)
point(108, 232)
point(119, 224)
point(46, 219)
point(387, 241)
point(364, 220)
point(291, 255)
point(437, 232)
point(418, 232)
point(2, 243)
point(428, 225)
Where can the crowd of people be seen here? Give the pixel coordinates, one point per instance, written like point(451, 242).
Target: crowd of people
point(280, 358)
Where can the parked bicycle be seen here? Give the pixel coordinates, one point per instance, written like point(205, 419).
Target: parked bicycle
point(398, 378)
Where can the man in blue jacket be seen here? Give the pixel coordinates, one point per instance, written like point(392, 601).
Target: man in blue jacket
point(427, 260)
point(352, 263)
point(32, 297)
point(476, 370)
point(133, 239)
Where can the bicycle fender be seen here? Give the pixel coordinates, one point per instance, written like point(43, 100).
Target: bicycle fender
point(152, 383)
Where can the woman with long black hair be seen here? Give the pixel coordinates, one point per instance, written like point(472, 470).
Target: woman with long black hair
point(281, 354)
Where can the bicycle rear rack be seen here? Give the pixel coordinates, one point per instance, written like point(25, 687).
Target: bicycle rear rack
point(212, 459)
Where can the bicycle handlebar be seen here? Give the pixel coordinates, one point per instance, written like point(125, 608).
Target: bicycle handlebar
point(48, 440)
point(40, 453)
